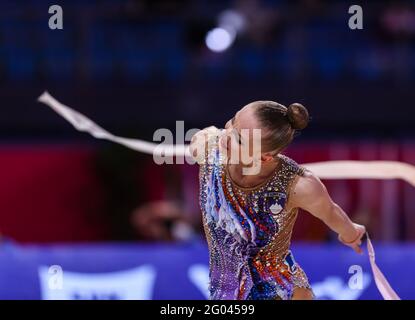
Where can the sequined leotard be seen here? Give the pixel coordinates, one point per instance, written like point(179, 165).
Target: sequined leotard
point(249, 232)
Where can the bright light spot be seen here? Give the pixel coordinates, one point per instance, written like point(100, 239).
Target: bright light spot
point(219, 39)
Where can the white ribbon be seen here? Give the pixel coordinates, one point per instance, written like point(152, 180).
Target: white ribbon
point(347, 169)
point(381, 283)
point(82, 123)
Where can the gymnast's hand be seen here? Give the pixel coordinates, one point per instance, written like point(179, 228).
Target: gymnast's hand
point(354, 241)
point(200, 142)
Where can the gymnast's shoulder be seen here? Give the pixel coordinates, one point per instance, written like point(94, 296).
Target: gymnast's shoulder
point(307, 189)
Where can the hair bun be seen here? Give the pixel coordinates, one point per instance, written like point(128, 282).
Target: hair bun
point(297, 116)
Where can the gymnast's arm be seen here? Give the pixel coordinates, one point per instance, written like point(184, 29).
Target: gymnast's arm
point(310, 194)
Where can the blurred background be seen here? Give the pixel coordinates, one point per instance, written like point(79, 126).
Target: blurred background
point(134, 66)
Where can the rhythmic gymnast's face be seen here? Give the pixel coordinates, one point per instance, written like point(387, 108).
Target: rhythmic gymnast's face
point(243, 138)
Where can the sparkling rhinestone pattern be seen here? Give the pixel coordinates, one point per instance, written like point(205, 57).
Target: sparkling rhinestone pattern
point(249, 232)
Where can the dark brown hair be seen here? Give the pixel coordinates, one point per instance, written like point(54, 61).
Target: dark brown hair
point(280, 123)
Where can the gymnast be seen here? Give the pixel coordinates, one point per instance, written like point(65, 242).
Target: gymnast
point(248, 218)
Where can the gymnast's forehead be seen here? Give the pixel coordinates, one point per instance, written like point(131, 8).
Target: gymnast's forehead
point(245, 118)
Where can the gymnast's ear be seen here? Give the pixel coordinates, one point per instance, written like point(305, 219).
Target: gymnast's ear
point(267, 156)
